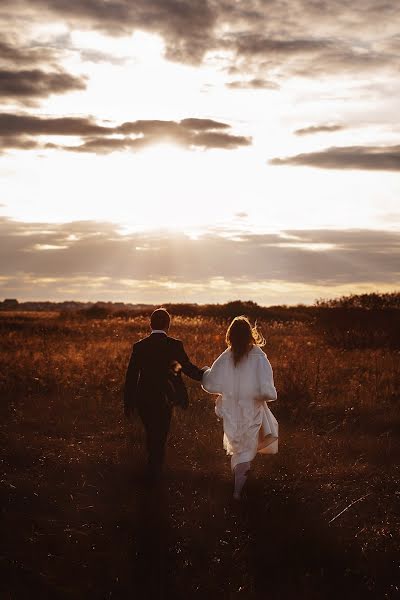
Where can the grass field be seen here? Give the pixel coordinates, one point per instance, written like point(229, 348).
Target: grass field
point(319, 520)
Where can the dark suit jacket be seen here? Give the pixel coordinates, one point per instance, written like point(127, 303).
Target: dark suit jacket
point(146, 377)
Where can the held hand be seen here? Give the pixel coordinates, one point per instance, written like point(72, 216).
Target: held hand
point(175, 367)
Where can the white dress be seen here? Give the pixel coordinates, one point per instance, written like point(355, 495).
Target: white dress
point(249, 425)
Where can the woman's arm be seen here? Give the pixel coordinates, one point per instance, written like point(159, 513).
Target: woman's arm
point(213, 379)
point(265, 380)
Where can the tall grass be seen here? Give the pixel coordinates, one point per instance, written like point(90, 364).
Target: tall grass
point(82, 363)
point(67, 462)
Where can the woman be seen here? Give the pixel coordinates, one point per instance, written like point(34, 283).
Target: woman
point(242, 376)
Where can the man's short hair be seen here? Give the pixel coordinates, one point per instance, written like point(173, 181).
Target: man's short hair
point(160, 319)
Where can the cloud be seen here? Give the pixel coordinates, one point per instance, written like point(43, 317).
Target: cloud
point(97, 57)
point(212, 139)
point(307, 58)
point(24, 124)
point(30, 72)
point(20, 51)
point(15, 52)
point(185, 25)
point(98, 250)
point(319, 129)
point(369, 158)
point(25, 85)
point(256, 84)
point(303, 37)
point(254, 44)
point(10, 142)
point(203, 124)
point(25, 131)
point(310, 39)
point(205, 141)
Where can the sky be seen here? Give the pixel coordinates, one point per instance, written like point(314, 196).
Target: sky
point(199, 150)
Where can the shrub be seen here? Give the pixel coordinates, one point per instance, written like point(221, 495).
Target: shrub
point(352, 328)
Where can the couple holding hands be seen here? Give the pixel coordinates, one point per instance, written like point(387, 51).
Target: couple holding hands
point(241, 376)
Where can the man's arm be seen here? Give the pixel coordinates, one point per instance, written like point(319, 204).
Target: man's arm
point(187, 367)
point(131, 380)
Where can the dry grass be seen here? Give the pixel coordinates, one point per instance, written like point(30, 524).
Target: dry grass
point(78, 523)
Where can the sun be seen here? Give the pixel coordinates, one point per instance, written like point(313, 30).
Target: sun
point(172, 189)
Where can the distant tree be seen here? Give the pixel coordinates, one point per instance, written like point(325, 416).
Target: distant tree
point(10, 303)
point(372, 301)
point(97, 311)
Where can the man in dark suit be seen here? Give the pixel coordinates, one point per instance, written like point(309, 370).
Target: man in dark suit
point(146, 385)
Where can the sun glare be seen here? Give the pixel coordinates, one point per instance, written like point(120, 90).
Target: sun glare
point(171, 188)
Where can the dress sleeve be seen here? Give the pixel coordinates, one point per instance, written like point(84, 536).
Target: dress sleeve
point(266, 379)
point(213, 379)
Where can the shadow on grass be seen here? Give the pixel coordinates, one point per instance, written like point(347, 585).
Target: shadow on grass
point(98, 531)
point(293, 553)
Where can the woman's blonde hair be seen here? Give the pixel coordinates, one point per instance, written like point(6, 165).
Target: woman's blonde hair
point(241, 337)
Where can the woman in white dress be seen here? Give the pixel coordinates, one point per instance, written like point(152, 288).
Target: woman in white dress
point(243, 379)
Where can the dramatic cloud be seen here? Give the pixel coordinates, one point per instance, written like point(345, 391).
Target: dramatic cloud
point(319, 129)
point(25, 85)
point(203, 124)
point(309, 39)
point(11, 124)
point(299, 36)
point(29, 72)
point(185, 25)
point(370, 158)
point(271, 58)
point(24, 131)
point(15, 53)
point(254, 44)
point(94, 250)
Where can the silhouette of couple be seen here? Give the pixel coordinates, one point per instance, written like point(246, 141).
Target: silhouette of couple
point(241, 377)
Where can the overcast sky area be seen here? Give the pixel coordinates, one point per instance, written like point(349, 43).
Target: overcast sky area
point(199, 151)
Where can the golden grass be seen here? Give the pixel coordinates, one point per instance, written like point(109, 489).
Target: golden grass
point(75, 519)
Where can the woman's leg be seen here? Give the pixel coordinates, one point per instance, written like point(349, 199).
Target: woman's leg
point(241, 471)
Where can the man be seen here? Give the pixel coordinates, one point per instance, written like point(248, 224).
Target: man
point(146, 385)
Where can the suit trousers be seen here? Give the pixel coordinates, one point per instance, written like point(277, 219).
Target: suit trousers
point(156, 418)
